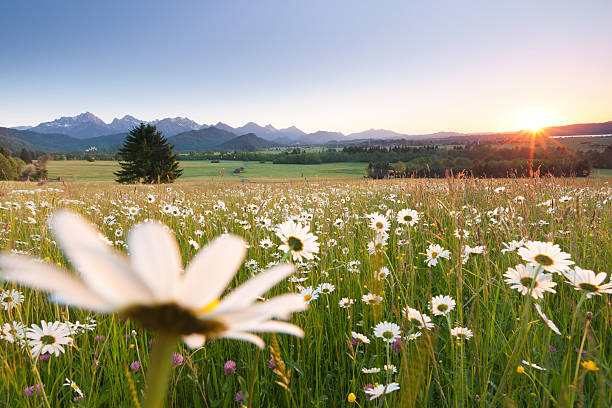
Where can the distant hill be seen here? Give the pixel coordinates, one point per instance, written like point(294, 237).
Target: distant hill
point(580, 129)
point(246, 143)
point(203, 139)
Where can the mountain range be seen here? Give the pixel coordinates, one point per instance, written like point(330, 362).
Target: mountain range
point(77, 133)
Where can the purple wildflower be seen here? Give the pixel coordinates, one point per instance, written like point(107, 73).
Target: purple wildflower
point(229, 368)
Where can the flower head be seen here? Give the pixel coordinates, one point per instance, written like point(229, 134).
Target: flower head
point(587, 281)
point(441, 305)
point(298, 239)
point(521, 278)
point(150, 286)
point(547, 255)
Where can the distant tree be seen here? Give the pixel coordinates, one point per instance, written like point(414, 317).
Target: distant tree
point(400, 169)
point(8, 169)
point(147, 157)
point(26, 156)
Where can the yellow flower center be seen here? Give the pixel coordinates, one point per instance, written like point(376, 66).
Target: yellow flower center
point(212, 305)
point(544, 260)
point(307, 297)
point(589, 287)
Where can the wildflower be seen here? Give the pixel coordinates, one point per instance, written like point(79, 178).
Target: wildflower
point(345, 302)
point(229, 367)
point(387, 331)
point(512, 246)
point(239, 397)
point(441, 305)
point(373, 370)
point(361, 337)
point(326, 288)
point(589, 365)
point(48, 338)
point(434, 252)
point(309, 294)
point(74, 386)
point(422, 321)
point(521, 278)
point(396, 344)
point(383, 273)
point(462, 333)
point(549, 256)
point(351, 398)
point(177, 359)
point(380, 390)
point(390, 368)
point(194, 244)
point(266, 243)
point(14, 332)
point(372, 299)
point(10, 299)
point(135, 366)
point(407, 217)
point(520, 369)
point(586, 280)
point(152, 289)
point(379, 223)
point(298, 240)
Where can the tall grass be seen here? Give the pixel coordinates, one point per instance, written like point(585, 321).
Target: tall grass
point(320, 370)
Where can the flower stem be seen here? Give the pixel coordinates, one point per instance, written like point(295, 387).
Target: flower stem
point(159, 370)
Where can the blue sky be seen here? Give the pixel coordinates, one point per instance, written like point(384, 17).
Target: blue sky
point(412, 67)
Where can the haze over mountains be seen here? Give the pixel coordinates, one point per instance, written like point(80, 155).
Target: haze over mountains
point(77, 133)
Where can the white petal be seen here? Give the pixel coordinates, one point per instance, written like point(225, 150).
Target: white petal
point(194, 341)
point(155, 257)
point(251, 338)
point(248, 292)
point(102, 269)
point(280, 307)
point(273, 326)
point(210, 271)
point(43, 276)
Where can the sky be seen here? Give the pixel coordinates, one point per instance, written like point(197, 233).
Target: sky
point(409, 66)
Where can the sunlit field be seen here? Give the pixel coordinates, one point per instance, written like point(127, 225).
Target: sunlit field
point(81, 170)
point(374, 337)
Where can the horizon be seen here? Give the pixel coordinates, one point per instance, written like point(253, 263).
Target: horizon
point(345, 67)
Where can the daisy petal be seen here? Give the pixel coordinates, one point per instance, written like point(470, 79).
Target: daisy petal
point(209, 273)
point(25, 270)
point(101, 268)
point(273, 326)
point(251, 338)
point(194, 341)
point(248, 292)
point(155, 258)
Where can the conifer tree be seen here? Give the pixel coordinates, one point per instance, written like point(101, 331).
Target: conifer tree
point(147, 157)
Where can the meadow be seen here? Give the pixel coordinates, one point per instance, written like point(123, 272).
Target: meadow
point(81, 170)
point(419, 292)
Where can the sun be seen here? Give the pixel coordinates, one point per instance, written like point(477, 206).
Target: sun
point(536, 118)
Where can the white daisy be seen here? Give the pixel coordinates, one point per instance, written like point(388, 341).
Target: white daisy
point(383, 273)
point(326, 288)
point(309, 294)
point(434, 252)
point(151, 287)
point(521, 278)
point(422, 321)
point(11, 298)
point(407, 217)
point(389, 332)
point(373, 370)
point(345, 302)
point(546, 254)
point(379, 223)
point(297, 239)
point(361, 337)
point(588, 281)
point(441, 305)
point(74, 386)
point(372, 299)
point(512, 246)
point(48, 338)
point(14, 332)
point(380, 390)
point(462, 333)
point(390, 368)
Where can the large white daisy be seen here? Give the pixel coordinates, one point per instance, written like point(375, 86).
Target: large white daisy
point(48, 338)
point(547, 255)
point(150, 286)
point(434, 253)
point(521, 278)
point(422, 321)
point(441, 305)
point(298, 239)
point(379, 390)
point(407, 217)
point(588, 281)
point(387, 331)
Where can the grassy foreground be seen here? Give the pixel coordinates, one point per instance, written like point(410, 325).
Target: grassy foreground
point(81, 170)
point(432, 367)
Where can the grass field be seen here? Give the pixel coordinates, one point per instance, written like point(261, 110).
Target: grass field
point(490, 347)
point(80, 170)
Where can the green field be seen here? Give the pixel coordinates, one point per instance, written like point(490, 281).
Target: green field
point(81, 170)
